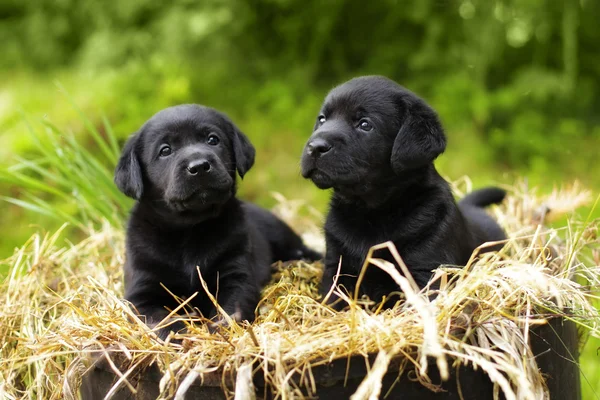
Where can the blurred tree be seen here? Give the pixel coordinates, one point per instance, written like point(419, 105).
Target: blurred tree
point(521, 75)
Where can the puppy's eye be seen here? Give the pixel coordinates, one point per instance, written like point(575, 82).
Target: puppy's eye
point(213, 140)
point(365, 125)
point(321, 119)
point(165, 151)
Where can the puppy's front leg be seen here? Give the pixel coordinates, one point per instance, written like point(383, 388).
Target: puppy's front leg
point(154, 314)
point(348, 282)
point(238, 294)
point(332, 265)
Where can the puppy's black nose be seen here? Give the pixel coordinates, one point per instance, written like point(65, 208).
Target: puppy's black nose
point(317, 147)
point(198, 166)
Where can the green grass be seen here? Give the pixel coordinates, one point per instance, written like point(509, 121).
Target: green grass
point(66, 181)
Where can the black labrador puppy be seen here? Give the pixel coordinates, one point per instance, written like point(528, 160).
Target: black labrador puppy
point(374, 143)
point(181, 168)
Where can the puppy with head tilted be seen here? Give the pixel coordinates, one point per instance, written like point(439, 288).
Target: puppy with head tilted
point(374, 143)
point(181, 168)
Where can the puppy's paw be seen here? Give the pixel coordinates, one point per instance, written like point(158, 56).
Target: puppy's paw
point(113, 357)
point(337, 304)
point(307, 254)
point(221, 322)
point(167, 328)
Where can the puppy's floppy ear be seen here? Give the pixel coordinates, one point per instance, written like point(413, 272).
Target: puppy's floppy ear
point(128, 173)
point(243, 151)
point(421, 137)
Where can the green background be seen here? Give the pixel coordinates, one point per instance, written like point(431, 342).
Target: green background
point(516, 83)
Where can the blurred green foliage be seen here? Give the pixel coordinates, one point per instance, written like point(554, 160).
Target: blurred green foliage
point(516, 82)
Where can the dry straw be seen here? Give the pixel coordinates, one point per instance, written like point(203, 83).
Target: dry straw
point(62, 305)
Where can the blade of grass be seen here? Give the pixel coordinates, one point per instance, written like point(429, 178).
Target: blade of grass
point(24, 181)
point(29, 206)
point(56, 212)
point(110, 134)
point(38, 167)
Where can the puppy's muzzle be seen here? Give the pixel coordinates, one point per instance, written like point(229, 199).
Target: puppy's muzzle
point(318, 147)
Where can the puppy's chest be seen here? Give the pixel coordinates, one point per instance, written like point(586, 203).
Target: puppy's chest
point(205, 254)
point(182, 253)
point(356, 236)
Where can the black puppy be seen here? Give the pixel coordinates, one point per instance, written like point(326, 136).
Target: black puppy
point(374, 143)
point(181, 168)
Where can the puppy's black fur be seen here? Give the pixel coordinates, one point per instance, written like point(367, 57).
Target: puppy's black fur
point(374, 143)
point(181, 168)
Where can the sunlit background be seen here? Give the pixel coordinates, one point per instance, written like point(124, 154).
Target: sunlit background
point(516, 82)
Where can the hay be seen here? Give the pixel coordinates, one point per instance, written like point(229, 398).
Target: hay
point(60, 305)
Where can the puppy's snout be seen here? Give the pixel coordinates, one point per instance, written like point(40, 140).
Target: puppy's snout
point(317, 147)
point(198, 166)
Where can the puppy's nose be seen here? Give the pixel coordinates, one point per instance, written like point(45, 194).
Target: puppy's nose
point(317, 147)
point(198, 166)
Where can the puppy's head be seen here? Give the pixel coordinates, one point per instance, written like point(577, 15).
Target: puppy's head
point(370, 131)
point(183, 162)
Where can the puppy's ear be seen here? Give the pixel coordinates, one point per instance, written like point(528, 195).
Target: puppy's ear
point(243, 151)
point(421, 137)
point(128, 173)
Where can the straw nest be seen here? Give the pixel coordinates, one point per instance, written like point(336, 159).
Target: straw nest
point(62, 304)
